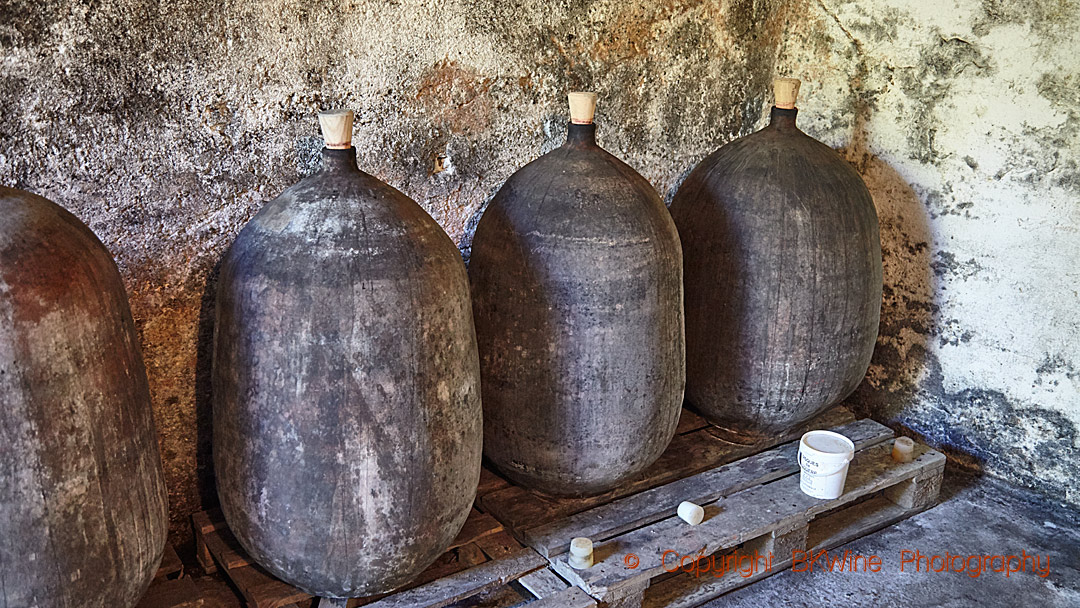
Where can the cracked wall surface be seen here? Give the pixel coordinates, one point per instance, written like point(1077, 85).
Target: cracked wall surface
point(165, 126)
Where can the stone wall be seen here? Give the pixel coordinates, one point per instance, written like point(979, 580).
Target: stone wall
point(165, 126)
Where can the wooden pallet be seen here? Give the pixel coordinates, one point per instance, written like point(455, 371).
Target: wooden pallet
point(753, 506)
point(173, 593)
point(170, 567)
point(483, 557)
point(170, 588)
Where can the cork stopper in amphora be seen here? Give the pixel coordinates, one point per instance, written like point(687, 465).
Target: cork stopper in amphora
point(337, 128)
point(786, 91)
point(582, 108)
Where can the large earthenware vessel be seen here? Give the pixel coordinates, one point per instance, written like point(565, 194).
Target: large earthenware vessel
point(576, 274)
point(347, 420)
point(783, 278)
point(83, 508)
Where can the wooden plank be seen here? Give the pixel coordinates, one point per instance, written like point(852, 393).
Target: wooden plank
point(568, 598)
point(451, 562)
point(467, 583)
point(606, 521)
point(204, 521)
point(697, 451)
point(171, 593)
point(690, 422)
point(261, 590)
point(785, 541)
point(202, 524)
point(741, 517)
point(477, 526)
point(515, 506)
point(170, 566)
point(490, 481)
point(543, 583)
point(627, 596)
point(226, 549)
point(498, 546)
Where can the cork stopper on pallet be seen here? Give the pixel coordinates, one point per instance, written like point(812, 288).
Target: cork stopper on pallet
point(582, 108)
point(786, 90)
point(337, 128)
point(581, 553)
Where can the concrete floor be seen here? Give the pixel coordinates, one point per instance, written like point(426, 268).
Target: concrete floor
point(976, 516)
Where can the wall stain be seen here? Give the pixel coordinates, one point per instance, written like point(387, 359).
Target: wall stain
point(945, 263)
point(1055, 365)
point(456, 97)
point(1025, 444)
point(928, 84)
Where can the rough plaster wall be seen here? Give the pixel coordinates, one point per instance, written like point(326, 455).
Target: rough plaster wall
point(962, 117)
point(165, 126)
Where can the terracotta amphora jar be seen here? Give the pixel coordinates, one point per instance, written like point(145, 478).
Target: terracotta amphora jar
point(83, 508)
point(576, 274)
point(347, 419)
point(783, 278)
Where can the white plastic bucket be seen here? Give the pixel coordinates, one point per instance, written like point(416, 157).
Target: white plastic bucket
point(823, 462)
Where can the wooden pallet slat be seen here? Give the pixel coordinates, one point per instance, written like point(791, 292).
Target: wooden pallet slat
point(572, 597)
point(690, 422)
point(202, 525)
point(170, 567)
point(477, 526)
point(497, 546)
point(686, 591)
point(466, 583)
point(171, 593)
point(543, 583)
point(261, 590)
point(490, 482)
point(226, 550)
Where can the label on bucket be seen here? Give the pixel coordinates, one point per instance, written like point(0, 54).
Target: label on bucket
point(823, 486)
